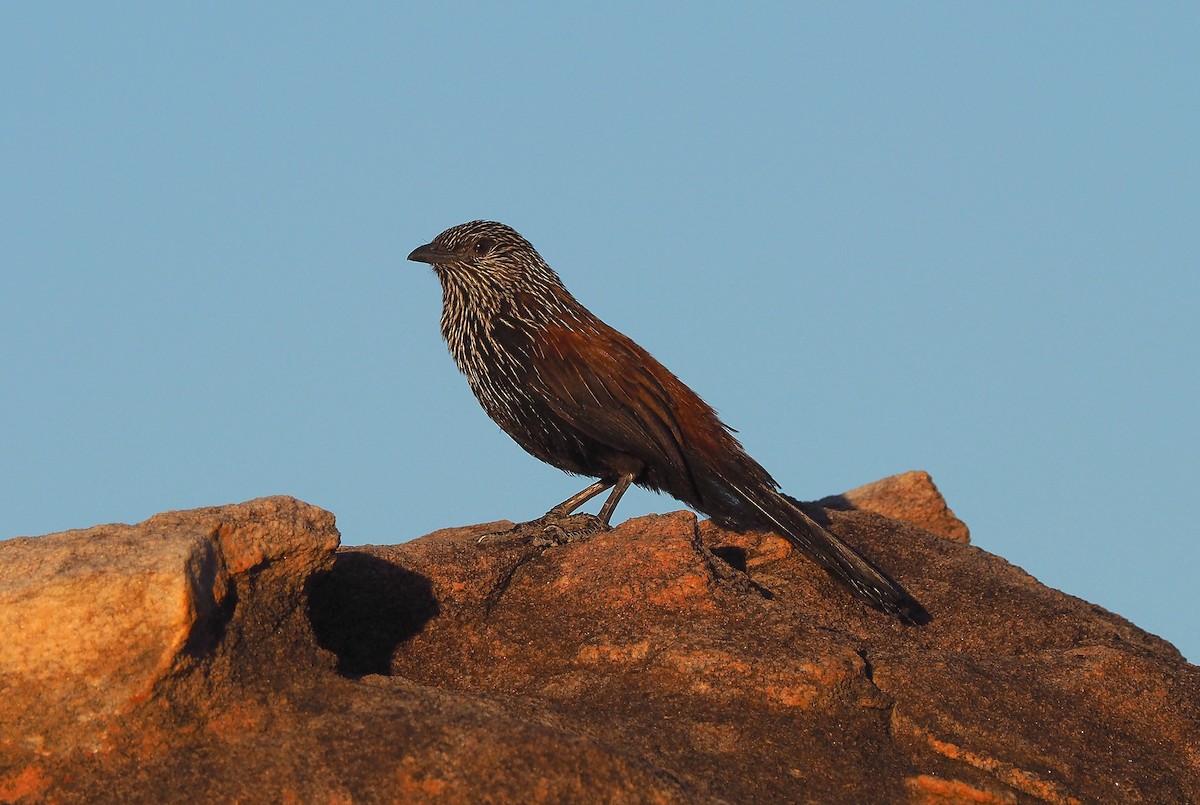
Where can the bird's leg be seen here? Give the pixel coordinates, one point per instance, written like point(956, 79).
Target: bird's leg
point(579, 498)
point(559, 525)
point(610, 505)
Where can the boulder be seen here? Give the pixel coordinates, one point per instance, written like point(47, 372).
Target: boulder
point(236, 654)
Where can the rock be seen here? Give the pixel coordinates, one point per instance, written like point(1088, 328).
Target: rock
point(96, 621)
point(909, 496)
point(176, 661)
point(665, 661)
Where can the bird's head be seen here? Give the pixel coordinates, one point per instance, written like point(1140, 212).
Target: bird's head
point(483, 251)
point(487, 269)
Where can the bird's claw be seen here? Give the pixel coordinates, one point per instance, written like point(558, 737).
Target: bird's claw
point(548, 531)
point(554, 535)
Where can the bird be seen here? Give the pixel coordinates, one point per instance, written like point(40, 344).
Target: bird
point(581, 396)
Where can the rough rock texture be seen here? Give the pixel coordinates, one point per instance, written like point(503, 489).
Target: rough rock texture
point(98, 621)
point(230, 654)
point(911, 497)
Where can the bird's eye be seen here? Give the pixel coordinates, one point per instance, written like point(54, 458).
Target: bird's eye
point(483, 246)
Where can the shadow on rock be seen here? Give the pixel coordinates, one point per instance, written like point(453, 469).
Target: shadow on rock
point(365, 607)
point(731, 555)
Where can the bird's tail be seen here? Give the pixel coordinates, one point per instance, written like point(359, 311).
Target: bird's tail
point(868, 582)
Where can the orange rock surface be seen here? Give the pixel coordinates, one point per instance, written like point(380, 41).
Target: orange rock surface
point(235, 654)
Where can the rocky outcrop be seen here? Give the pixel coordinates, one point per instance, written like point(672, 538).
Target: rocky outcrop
point(98, 622)
point(233, 654)
point(911, 497)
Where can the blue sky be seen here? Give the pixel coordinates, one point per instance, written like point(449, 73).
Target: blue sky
point(956, 237)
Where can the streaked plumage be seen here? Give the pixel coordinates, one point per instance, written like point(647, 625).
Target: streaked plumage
point(581, 396)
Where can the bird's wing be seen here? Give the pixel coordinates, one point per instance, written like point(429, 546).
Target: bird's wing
point(612, 393)
point(620, 397)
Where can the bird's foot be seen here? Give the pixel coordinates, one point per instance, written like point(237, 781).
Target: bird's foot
point(559, 529)
point(549, 529)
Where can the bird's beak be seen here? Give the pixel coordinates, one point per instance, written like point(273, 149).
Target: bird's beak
point(431, 254)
